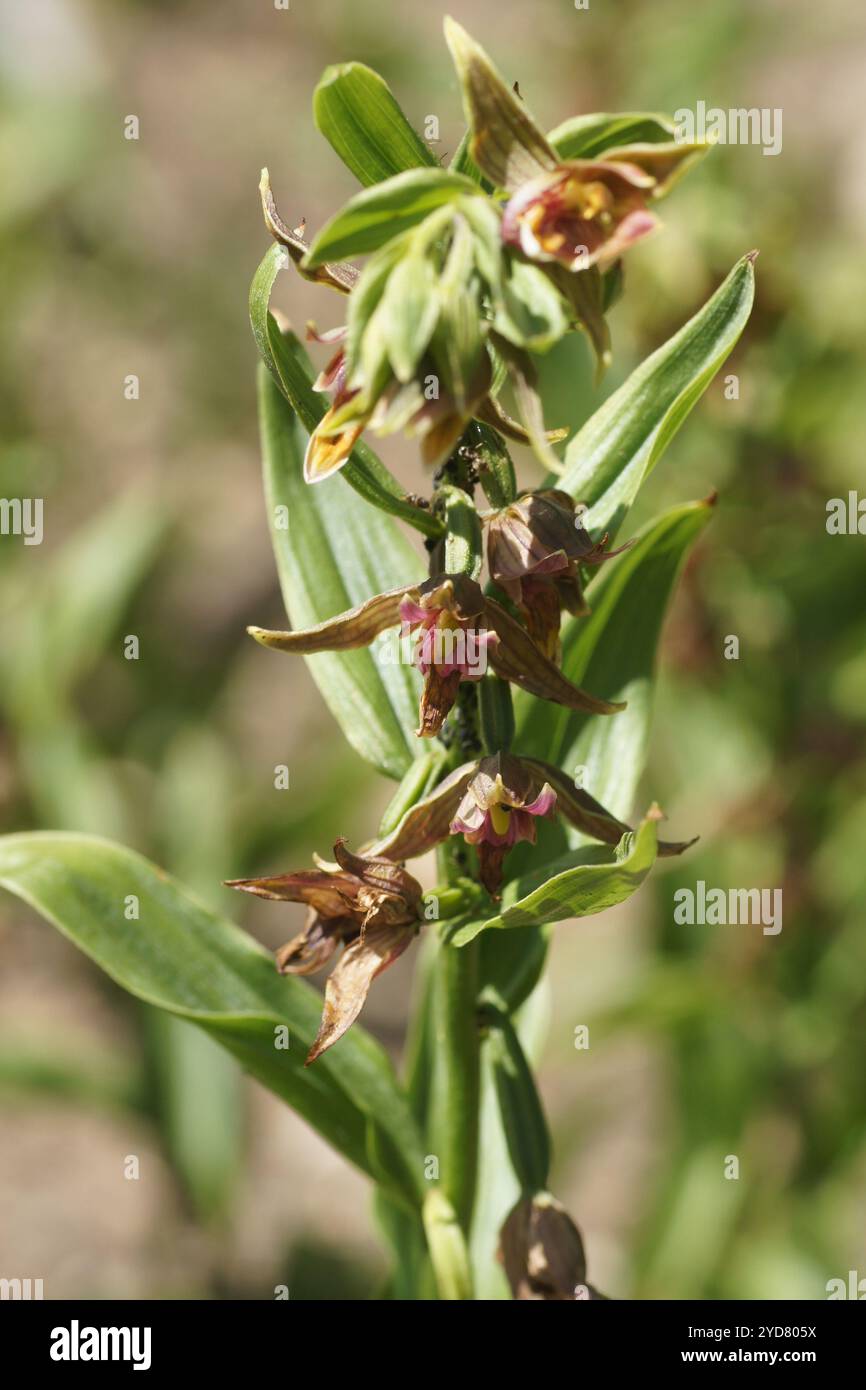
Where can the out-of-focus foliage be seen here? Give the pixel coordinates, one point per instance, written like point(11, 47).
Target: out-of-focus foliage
point(133, 257)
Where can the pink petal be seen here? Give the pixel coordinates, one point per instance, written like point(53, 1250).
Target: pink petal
point(544, 804)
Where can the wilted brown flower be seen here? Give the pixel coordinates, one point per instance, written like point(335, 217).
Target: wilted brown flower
point(535, 548)
point(542, 1251)
point(367, 904)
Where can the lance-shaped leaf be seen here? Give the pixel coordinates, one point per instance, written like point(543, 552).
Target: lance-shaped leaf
point(291, 369)
point(505, 142)
point(408, 313)
point(178, 956)
point(609, 458)
point(332, 551)
point(498, 1185)
point(572, 886)
point(356, 112)
point(375, 215)
point(420, 778)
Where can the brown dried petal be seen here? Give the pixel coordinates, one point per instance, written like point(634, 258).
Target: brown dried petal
point(329, 893)
point(355, 628)
point(380, 876)
point(437, 699)
point(350, 981)
point(541, 609)
point(339, 277)
point(426, 824)
point(490, 861)
point(315, 945)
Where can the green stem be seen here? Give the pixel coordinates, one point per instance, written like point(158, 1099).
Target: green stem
point(457, 1075)
point(456, 1089)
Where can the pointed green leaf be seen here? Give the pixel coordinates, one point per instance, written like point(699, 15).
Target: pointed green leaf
point(377, 214)
point(333, 552)
point(575, 887)
point(178, 956)
point(617, 448)
point(513, 964)
point(356, 112)
point(498, 1185)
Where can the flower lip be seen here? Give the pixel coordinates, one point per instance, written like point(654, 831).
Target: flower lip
point(451, 638)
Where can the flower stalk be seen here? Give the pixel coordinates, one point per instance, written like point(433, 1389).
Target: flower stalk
point(469, 276)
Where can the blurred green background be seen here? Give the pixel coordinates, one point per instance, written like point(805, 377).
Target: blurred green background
point(128, 257)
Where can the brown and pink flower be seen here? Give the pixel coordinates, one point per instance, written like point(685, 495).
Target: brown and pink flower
point(462, 632)
point(494, 803)
point(584, 213)
point(495, 814)
point(577, 213)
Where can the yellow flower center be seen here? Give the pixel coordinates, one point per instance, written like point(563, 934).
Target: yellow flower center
point(500, 816)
